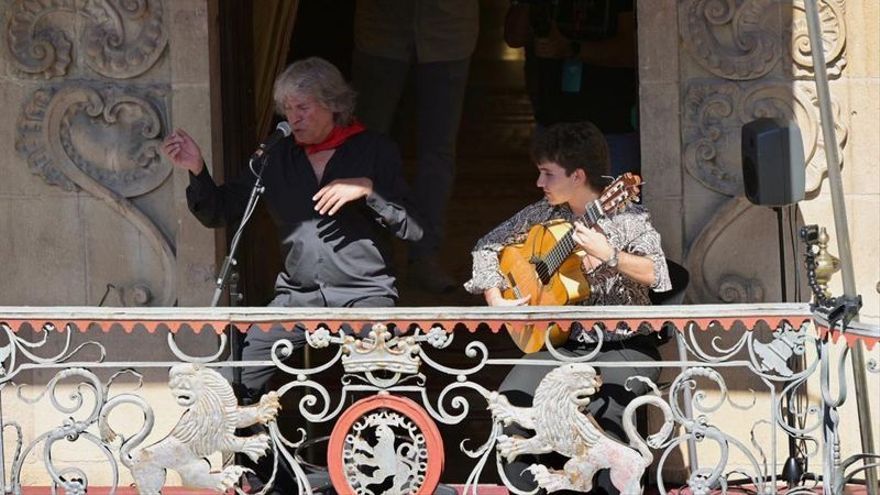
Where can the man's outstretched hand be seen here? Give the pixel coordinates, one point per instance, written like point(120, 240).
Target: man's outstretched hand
point(182, 151)
point(336, 194)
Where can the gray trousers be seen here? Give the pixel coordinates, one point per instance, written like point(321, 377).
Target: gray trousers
point(255, 380)
point(441, 86)
point(606, 406)
point(258, 344)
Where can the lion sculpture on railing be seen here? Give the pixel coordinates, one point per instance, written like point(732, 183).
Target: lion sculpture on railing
point(560, 426)
point(206, 427)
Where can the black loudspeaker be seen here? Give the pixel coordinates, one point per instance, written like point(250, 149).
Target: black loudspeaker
point(773, 162)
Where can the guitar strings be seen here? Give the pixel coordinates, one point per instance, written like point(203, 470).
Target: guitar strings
point(549, 264)
point(566, 245)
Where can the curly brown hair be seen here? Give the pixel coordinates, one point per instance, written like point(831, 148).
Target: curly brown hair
point(576, 145)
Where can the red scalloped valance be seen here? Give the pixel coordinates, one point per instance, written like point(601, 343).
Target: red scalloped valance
point(703, 317)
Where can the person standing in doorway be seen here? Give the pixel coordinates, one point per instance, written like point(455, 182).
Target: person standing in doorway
point(434, 40)
point(580, 65)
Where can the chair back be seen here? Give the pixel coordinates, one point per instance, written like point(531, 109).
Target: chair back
point(679, 277)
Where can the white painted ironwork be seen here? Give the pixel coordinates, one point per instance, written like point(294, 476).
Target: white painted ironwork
point(385, 363)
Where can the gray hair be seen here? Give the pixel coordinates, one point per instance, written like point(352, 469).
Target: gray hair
point(322, 81)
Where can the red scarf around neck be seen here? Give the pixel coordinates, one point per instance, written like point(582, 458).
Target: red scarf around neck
point(337, 136)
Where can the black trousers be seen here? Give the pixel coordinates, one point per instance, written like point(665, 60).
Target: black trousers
point(607, 405)
point(258, 344)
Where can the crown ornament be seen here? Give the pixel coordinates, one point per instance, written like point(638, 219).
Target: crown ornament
point(380, 350)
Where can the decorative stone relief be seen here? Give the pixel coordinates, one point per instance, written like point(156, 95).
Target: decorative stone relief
point(736, 289)
point(735, 259)
point(831, 16)
point(119, 39)
point(732, 39)
point(714, 113)
point(103, 140)
point(740, 39)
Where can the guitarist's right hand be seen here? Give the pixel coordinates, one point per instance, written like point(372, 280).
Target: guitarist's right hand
point(494, 298)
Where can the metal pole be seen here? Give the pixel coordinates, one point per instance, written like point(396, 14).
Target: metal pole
point(843, 246)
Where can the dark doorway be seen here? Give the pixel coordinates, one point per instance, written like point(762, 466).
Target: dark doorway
point(494, 179)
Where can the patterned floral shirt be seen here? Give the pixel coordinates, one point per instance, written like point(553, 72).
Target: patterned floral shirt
point(629, 230)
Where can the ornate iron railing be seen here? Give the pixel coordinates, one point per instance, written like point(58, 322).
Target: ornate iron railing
point(389, 438)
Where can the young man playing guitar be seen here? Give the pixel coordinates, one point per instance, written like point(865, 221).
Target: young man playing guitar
point(623, 255)
point(621, 260)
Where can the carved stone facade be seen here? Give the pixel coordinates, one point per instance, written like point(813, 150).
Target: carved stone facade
point(733, 61)
point(117, 39)
point(92, 83)
point(90, 214)
point(729, 62)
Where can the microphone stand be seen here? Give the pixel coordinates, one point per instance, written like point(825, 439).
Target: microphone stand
point(227, 275)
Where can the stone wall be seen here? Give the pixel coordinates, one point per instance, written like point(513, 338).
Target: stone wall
point(706, 68)
point(727, 64)
point(90, 214)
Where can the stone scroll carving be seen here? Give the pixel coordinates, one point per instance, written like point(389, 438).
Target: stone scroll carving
point(735, 259)
point(831, 16)
point(732, 39)
point(102, 140)
point(119, 39)
point(714, 113)
point(728, 282)
point(738, 289)
point(747, 39)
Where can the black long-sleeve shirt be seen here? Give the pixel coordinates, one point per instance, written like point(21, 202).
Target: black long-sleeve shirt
point(330, 261)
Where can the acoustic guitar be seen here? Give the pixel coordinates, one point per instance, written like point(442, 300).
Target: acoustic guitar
point(547, 265)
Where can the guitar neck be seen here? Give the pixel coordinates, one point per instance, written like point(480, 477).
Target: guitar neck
point(566, 245)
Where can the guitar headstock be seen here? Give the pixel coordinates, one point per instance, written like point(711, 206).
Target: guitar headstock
point(621, 192)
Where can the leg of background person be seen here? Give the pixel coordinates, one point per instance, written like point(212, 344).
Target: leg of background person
point(258, 347)
point(441, 91)
point(379, 83)
point(320, 478)
point(367, 302)
point(372, 302)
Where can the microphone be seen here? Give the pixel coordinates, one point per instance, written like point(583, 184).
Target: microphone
point(282, 130)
